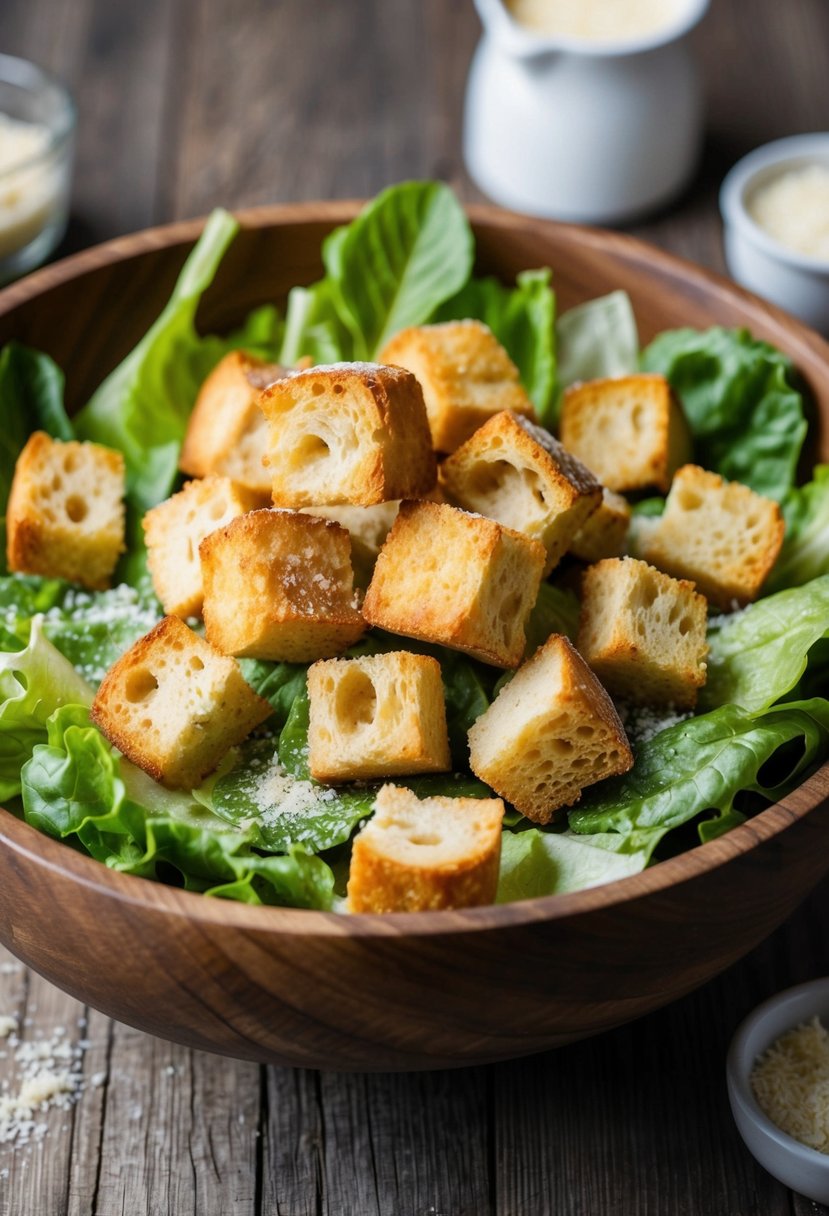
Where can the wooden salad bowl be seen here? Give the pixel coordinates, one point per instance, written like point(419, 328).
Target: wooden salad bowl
point(409, 991)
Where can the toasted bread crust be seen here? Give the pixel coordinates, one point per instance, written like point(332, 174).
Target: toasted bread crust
point(720, 534)
point(65, 514)
point(456, 579)
point(630, 430)
point(643, 633)
point(605, 532)
point(515, 472)
point(349, 433)
point(551, 732)
point(174, 706)
point(375, 717)
point(393, 869)
point(466, 376)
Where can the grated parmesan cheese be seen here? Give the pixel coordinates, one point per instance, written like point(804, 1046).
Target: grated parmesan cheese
point(794, 209)
point(791, 1083)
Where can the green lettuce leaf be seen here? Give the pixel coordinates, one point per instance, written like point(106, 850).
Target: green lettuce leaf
point(556, 610)
point(597, 339)
point(805, 551)
point(409, 250)
point(523, 320)
point(314, 327)
point(31, 399)
point(758, 656)
point(700, 766)
point(34, 682)
point(143, 405)
point(536, 863)
point(741, 402)
point(73, 789)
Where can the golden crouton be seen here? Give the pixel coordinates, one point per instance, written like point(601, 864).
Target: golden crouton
point(460, 580)
point(414, 855)
point(378, 716)
point(718, 533)
point(368, 528)
point(550, 732)
point(227, 431)
point(349, 433)
point(175, 706)
point(279, 585)
point(466, 376)
point(514, 472)
point(643, 633)
point(630, 430)
point(174, 530)
point(65, 514)
point(606, 530)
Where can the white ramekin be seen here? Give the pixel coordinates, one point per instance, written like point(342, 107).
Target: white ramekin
point(798, 283)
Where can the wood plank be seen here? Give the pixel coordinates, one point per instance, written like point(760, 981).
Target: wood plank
point(179, 1132)
point(292, 1144)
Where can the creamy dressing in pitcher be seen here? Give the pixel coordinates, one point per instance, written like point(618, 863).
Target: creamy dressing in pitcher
point(596, 20)
point(29, 185)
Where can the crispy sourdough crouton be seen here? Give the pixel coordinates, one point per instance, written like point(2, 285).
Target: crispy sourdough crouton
point(348, 433)
point(643, 633)
point(279, 585)
point(718, 533)
point(368, 527)
point(457, 579)
point(414, 855)
point(378, 716)
point(175, 706)
point(227, 431)
point(550, 732)
point(65, 515)
point(606, 530)
point(515, 472)
point(630, 430)
point(466, 376)
point(174, 530)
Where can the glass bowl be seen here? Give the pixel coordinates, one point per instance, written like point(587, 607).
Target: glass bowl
point(34, 191)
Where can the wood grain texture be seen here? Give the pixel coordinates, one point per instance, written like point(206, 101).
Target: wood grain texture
point(273, 136)
point(402, 992)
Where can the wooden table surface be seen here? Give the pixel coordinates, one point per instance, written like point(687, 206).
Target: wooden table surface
point(186, 104)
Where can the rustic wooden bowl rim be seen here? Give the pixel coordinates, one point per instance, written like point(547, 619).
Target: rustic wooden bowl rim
point(55, 856)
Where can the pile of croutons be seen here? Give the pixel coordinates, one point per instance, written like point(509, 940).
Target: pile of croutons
point(418, 495)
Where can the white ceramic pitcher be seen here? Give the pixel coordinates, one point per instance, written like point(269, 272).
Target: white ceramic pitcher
point(575, 129)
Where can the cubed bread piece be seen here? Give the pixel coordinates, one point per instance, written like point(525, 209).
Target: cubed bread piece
point(550, 732)
point(227, 431)
point(516, 473)
point(718, 533)
point(419, 854)
point(348, 433)
point(466, 376)
point(65, 514)
point(279, 585)
point(378, 716)
point(457, 579)
point(175, 706)
point(643, 633)
point(174, 530)
point(606, 530)
point(630, 430)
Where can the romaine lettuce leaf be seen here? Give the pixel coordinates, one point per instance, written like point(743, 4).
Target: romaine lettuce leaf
point(523, 320)
point(759, 655)
point(741, 402)
point(536, 863)
point(143, 405)
point(597, 339)
point(31, 399)
point(34, 682)
point(314, 327)
point(700, 766)
point(409, 250)
point(73, 789)
point(556, 610)
point(805, 551)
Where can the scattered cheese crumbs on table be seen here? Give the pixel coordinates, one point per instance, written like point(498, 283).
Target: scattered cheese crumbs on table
point(48, 1077)
point(8, 1025)
point(791, 1083)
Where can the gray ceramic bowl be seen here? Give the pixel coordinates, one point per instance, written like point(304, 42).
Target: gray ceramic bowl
point(801, 1168)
